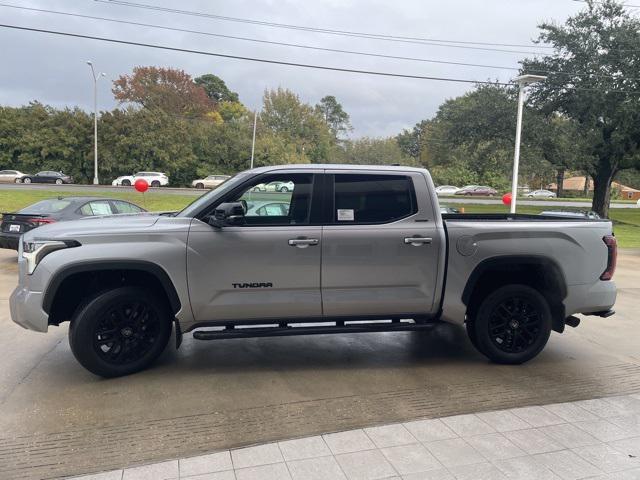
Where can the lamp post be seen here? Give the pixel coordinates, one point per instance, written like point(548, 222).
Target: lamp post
point(253, 143)
point(95, 121)
point(523, 81)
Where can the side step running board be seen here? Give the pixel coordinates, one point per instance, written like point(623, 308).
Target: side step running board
point(284, 329)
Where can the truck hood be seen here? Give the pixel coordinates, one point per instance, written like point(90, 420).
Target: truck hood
point(93, 226)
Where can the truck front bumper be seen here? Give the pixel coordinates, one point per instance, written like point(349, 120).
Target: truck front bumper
point(26, 309)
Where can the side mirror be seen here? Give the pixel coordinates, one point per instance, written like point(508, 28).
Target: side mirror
point(228, 214)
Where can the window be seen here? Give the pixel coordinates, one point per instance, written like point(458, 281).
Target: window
point(46, 206)
point(126, 207)
point(96, 208)
point(277, 200)
point(372, 198)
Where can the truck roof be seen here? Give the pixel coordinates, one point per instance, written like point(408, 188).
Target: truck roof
point(336, 166)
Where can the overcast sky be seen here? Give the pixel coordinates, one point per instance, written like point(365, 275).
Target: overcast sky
point(52, 69)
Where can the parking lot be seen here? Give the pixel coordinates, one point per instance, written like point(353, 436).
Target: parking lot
point(60, 420)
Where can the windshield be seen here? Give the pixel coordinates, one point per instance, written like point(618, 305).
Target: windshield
point(46, 206)
point(223, 188)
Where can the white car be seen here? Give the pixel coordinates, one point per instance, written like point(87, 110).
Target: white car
point(541, 194)
point(11, 176)
point(282, 187)
point(212, 181)
point(446, 190)
point(154, 179)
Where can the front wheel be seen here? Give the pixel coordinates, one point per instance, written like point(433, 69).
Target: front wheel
point(284, 190)
point(200, 185)
point(18, 180)
point(126, 183)
point(27, 180)
point(512, 325)
point(58, 182)
point(155, 183)
point(120, 331)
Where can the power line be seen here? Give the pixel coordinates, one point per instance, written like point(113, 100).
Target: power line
point(374, 36)
point(624, 4)
point(253, 59)
point(290, 64)
point(295, 45)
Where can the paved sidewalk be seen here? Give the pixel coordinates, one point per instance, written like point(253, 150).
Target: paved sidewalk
point(589, 439)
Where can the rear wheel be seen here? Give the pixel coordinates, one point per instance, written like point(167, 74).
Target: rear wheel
point(26, 180)
point(155, 183)
point(120, 331)
point(126, 183)
point(284, 190)
point(18, 180)
point(200, 185)
point(512, 325)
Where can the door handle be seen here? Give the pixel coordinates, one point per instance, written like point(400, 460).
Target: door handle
point(303, 242)
point(417, 241)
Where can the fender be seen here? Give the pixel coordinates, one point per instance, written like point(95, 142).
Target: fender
point(104, 265)
point(506, 260)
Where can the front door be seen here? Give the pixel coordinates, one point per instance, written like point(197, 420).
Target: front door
point(380, 251)
point(268, 268)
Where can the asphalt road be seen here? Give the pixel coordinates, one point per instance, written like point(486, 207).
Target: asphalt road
point(105, 189)
point(58, 419)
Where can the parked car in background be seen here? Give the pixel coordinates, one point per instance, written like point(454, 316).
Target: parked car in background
point(154, 179)
point(282, 187)
point(446, 190)
point(212, 181)
point(267, 209)
point(541, 194)
point(48, 177)
point(590, 214)
point(58, 209)
point(11, 176)
point(446, 209)
point(477, 190)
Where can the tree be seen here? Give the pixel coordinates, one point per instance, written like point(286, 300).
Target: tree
point(284, 114)
point(371, 151)
point(216, 89)
point(170, 90)
point(414, 142)
point(334, 115)
point(593, 79)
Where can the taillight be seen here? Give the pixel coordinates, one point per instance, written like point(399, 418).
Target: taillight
point(612, 257)
point(42, 221)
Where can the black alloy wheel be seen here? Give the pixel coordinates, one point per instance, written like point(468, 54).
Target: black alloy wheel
point(512, 324)
point(120, 331)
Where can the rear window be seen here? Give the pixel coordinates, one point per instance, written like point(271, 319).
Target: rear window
point(46, 206)
point(363, 199)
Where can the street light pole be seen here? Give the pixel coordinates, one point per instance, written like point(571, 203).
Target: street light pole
point(253, 143)
point(95, 121)
point(523, 81)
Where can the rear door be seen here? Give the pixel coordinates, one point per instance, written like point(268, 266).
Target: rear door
point(380, 250)
point(268, 268)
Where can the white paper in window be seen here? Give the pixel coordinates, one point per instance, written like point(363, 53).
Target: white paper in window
point(345, 215)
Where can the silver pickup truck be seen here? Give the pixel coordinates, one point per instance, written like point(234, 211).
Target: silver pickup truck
point(346, 249)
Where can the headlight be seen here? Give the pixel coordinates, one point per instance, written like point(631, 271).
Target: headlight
point(33, 252)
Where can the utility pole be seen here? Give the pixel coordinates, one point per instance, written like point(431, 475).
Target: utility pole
point(253, 143)
point(95, 121)
point(523, 81)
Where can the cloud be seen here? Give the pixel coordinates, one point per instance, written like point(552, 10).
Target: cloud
point(52, 69)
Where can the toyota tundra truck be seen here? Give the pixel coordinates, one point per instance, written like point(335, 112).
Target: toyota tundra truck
point(347, 249)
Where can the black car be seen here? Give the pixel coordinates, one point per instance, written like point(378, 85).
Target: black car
point(56, 210)
point(48, 177)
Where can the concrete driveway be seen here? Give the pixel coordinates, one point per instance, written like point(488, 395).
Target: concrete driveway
point(58, 419)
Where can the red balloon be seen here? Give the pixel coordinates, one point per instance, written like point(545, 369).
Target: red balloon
point(506, 199)
point(141, 185)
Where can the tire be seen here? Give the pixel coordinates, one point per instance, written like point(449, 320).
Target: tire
point(18, 180)
point(155, 183)
point(58, 182)
point(26, 180)
point(126, 183)
point(284, 190)
point(512, 324)
point(138, 338)
point(200, 185)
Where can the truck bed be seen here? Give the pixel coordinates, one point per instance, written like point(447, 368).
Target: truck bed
point(515, 217)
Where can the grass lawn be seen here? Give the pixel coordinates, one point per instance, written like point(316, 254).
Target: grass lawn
point(626, 220)
point(13, 200)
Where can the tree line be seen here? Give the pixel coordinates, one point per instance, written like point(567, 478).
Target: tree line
point(585, 119)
